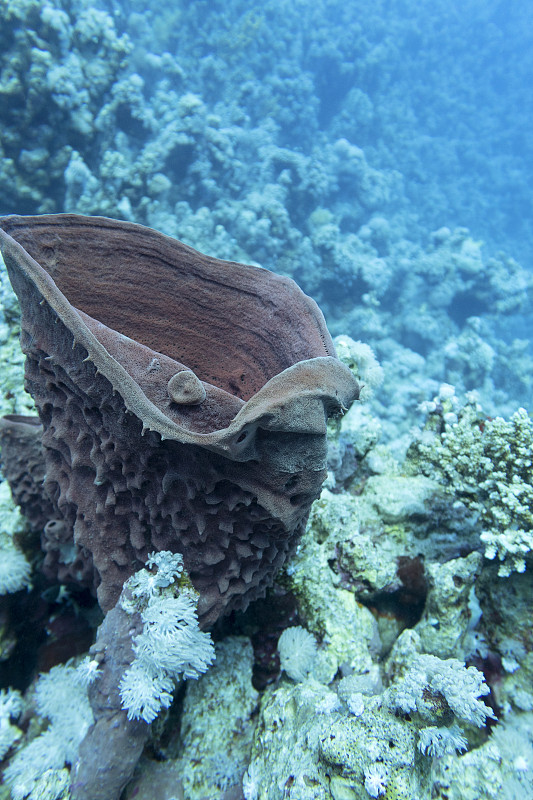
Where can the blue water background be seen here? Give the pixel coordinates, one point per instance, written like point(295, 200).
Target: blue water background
point(379, 153)
point(440, 92)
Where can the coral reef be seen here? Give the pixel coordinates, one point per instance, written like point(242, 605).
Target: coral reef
point(345, 146)
point(358, 551)
point(212, 759)
point(487, 465)
point(57, 70)
point(410, 678)
point(40, 767)
point(256, 159)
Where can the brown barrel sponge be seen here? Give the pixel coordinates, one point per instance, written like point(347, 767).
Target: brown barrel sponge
point(138, 460)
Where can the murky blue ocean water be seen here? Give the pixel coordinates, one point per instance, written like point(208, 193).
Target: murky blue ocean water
point(378, 153)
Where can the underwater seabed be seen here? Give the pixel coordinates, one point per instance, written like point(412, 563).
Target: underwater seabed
point(405, 667)
point(375, 153)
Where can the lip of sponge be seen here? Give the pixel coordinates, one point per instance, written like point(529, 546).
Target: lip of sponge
point(111, 313)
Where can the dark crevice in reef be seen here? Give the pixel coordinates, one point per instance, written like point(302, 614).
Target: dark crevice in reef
point(43, 632)
point(407, 603)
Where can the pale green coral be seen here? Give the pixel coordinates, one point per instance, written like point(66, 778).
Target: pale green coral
point(352, 746)
point(398, 497)
point(309, 747)
point(15, 571)
point(13, 398)
point(214, 751)
point(286, 744)
point(353, 553)
point(500, 769)
point(436, 689)
point(447, 618)
point(347, 629)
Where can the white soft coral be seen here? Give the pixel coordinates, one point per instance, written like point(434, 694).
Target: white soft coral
point(171, 644)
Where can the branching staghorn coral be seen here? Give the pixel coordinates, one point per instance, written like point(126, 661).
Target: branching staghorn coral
point(487, 466)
